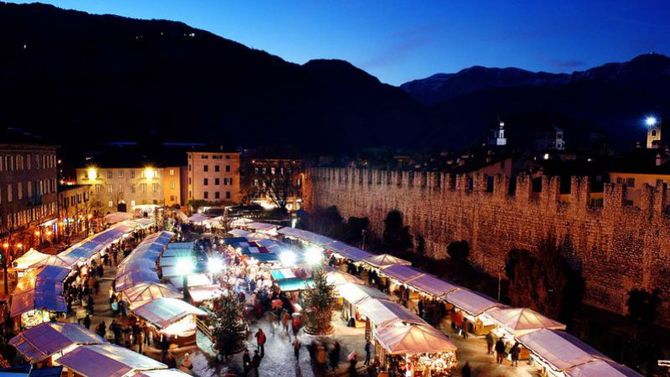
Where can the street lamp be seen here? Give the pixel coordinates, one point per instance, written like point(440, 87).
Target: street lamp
point(287, 258)
point(214, 265)
point(313, 256)
point(651, 121)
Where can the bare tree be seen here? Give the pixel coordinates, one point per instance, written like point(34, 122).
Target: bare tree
point(277, 181)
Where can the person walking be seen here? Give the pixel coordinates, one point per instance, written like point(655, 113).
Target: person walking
point(101, 330)
point(87, 322)
point(285, 320)
point(256, 362)
point(334, 356)
point(466, 371)
point(500, 351)
point(489, 343)
point(246, 362)
point(260, 341)
point(296, 348)
point(368, 351)
point(514, 354)
point(353, 360)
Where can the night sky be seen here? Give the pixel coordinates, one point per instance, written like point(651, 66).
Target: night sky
point(400, 41)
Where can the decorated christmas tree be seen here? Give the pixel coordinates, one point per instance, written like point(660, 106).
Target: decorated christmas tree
point(230, 327)
point(319, 301)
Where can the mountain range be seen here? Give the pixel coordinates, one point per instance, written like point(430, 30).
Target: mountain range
point(80, 79)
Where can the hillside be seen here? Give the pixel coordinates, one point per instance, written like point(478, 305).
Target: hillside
point(78, 79)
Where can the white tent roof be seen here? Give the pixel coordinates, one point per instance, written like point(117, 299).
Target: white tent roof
point(162, 373)
point(40, 342)
point(239, 232)
point(383, 312)
point(383, 260)
point(306, 236)
point(521, 321)
point(355, 293)
point(117, 217)
point(600, 368)
point(264, 227)
point(194, 280)
point(29, 259)
point(559, 349)
point(240, 222)
point(336, 278)
point(198, 218)
point(413, 339)
point(107, 360)
point(147, 291)
point(164, 311)
point(471, 302)
point(347, 251)
point(432, 285)
point(401, 273)
point(205, 292)
point(182, 216)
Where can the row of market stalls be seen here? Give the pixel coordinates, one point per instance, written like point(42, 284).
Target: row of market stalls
point(150, 280)
point(39, 291)
point(544, 340)
point(82, 353)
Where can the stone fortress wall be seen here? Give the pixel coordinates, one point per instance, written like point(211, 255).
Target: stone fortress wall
point(620, 247)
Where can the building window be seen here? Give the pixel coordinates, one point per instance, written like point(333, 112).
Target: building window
point(30, 189)
point(217, 168)
point(217, 195)
point(143, 187)
point(216, 181)
point(132, 203)
point(120, 174)
point(189, 167)
point(227, 157)
point(110, 175)
point(630, 182)
point(172, 185)
point(206, 195)
point(205, 182)
point(189, 180)
point(27, 161)
point(227, 168)
point(227, 194)
point(154, 187)
point(110, 189)
point(172, 172)
point(111, 204)
point(205, 168)
point(132, 188)
point(9, 193)
point(204, 156)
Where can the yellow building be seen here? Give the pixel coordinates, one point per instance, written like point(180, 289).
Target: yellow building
point(214, 176)
point(122, 188)
point(635, 181)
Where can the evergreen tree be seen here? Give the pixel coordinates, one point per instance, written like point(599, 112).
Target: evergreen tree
point(319, 301)
point(229, 326)
point(396, 234)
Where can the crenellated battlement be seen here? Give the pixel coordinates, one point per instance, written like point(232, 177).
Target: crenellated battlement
point(654, 199)
point(619, 246)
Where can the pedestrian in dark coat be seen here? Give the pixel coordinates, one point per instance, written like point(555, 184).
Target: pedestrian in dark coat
point(466, 371)
point(500, 351)
point(256, 362)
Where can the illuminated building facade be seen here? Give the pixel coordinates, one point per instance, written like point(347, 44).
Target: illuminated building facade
point(213, 176)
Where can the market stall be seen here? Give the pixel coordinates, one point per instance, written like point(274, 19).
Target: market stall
point(144, 292)
point(431, 286)
point(382, 312)
point(28, 260)
point(39, 294)
point(514, 322)
point(264, 228)
point(419, 350)
point(383, 260)
point(40, 342)
point(351, 294)
point(555, 352)
point(117, 217)
point(469, 306)
point(305, 236)
point(106, 360)
point(337, 278)
point(198, 219)
point(342, 250)
point(599, 368)
point(238, 232)
point(171, 317)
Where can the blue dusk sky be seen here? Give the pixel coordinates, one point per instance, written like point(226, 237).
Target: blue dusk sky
point(398, 41)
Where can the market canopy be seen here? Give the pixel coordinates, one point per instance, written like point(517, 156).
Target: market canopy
point(383, 260)
point(31, 258)
point(194, 280)
point(42, 341)
point(40, 289)
point(117, 217)
point(198, 218)
point(53, 260)
point(133, 278)
point(401, 272)
point(521, 321)
point(290, 285)
point(205, 292)
point(349, 252)
point(383, 312)
point(148, 291)
point(413, 339)
point(559, 349)
point(600, 368)
point(240, 222)
point(355, 293)
point(471, 302)
point(306, 236)
point(107, 360)
point(432, 285)
point(336, 278)
point(238, 232)
point(162, 373)
point(164, 311)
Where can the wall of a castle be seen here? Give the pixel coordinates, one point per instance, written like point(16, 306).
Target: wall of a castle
point(619, 247)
